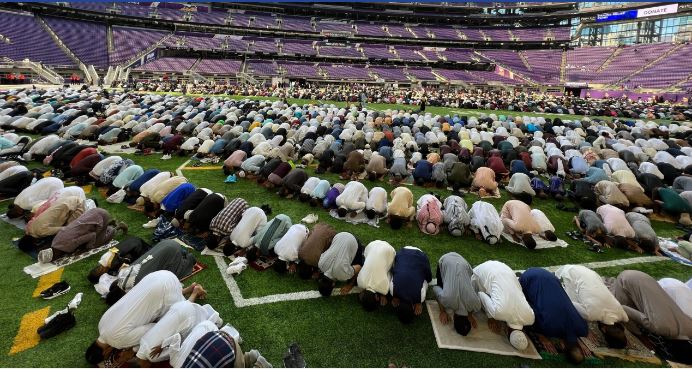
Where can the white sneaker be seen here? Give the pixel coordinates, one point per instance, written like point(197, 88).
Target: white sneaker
point(74, 303)
point(236, 268)
point(166, 157)
point(239, 260)
point(151, 224)
point(310, 219)
point(71, 306)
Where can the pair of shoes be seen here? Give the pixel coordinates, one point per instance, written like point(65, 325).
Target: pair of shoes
point(71, 307)
point(575, 235)
point(58, 289)
point(166, 157)
point(61, 323)
point(45, 256)
point(237, 265)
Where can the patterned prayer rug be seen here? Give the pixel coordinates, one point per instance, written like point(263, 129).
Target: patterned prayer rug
point(635, 351)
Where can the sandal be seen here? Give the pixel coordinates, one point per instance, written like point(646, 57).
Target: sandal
point(595, 248)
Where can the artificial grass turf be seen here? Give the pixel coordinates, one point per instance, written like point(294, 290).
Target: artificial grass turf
point(331, 332)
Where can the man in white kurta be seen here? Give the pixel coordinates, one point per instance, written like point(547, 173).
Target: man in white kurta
point(38, 192)
point(102, 165)
point(287, 247)
point(179, 351)
point(175, 325)
point(252, 219)
point(128, 320)
point(352, 198)
point(503, 300)
point(486, 222)
point(590, 296)
point(375, 275)
point(376, 206)
point(149, 187)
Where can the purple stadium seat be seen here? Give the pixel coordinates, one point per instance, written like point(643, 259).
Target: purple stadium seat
point(28, 40)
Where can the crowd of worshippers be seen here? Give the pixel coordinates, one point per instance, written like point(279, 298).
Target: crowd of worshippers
point(264, 139)
point(519, 101)
point(611, 166)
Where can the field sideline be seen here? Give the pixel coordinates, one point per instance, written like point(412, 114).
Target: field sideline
point(331, 332)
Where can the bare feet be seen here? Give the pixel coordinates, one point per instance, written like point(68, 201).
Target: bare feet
point(345, 290)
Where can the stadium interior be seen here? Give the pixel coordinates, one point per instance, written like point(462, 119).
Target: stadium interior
point(295, 83)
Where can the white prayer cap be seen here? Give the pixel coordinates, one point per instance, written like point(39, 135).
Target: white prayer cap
point(518, 340)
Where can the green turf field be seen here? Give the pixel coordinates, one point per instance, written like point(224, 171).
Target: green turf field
point(331, 332)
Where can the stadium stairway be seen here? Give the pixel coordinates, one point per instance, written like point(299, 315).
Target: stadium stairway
point(146, 51)
point(563, 68)
point(520, 75)
point(661, 57)
point(109, 39)
point(609, 59)
point(486, 37)
point(524, 60)
point(88, 76)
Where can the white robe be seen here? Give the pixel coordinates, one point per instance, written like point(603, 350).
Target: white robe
point(501, 294)
point(590, 296)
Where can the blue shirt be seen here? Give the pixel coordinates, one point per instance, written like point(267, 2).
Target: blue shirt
point(555, 314)
point(578, 165)
point(176, 197)
point(423, 170)
point(147, 175)
point(411, 268)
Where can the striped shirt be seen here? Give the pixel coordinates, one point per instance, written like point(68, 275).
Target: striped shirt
point(225, 221)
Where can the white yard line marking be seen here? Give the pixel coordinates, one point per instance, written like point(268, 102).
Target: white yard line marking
point(240, 301)
point(179, 171)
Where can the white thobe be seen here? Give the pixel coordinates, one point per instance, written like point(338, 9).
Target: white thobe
point(38, 192)
point(353, 197)
point(149, 187)
point(287, 247)
point(252, 219)
point(377, 200)
point(375, 274)
point(178, 320)
point(501, 294)
point(128, 320)
point(590, 296)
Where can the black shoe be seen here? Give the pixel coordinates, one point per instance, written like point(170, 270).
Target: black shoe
point(55, 290)
point(59, 324)
point(294, 358)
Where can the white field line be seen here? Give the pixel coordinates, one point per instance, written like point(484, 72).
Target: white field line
point(240, 301)
point(179, 171)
